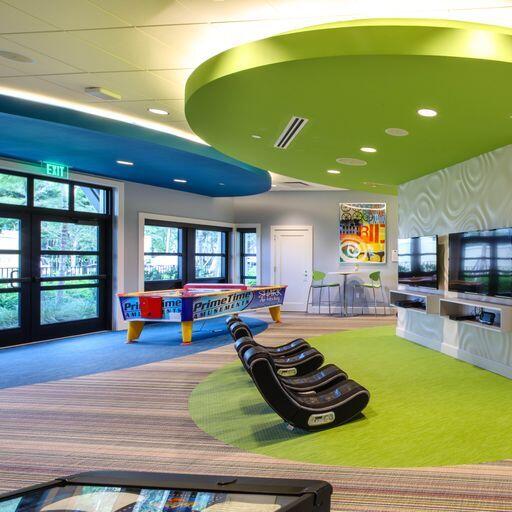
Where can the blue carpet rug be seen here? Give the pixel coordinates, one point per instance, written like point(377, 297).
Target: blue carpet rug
point(102, 352)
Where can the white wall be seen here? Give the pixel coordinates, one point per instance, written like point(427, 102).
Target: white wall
point(320, 210)
point(149, 199)
point(468, 196)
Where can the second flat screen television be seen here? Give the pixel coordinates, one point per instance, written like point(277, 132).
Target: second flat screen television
point(481, 262)
point(417, 261)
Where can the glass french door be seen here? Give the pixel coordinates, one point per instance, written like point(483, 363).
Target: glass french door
point(54, 276)
point(14, 278)
point(69, 276)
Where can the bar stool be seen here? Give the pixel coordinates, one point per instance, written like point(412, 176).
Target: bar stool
point(317, 283)
point(374, 284)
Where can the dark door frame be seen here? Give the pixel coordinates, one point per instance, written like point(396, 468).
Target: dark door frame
point(30, 329)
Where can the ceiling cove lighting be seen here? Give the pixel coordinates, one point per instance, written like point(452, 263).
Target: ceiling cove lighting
point(427, 112)
point(124, 162)
point(357, 162)
point(396, 132)
point(333, 171)
point(179, 180)
point(158, 111)
point(99, 112)
point(367, 149)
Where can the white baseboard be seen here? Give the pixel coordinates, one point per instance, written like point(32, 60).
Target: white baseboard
point(420, 340)
point(457, 353)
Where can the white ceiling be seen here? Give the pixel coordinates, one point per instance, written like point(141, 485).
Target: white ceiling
point(146, 49)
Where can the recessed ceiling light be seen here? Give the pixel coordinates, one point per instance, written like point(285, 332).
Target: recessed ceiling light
point(158, 111)
point(396, 132)
point(179, 180)
point(221, 184)
point(366, 149)
point(333, 171)
point(16, 57)
point(254, 136)
point(351, 161)
point(124, 162)
point(427, 112)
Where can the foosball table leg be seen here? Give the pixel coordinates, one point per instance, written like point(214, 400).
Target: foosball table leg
point(186, 332)
point(275, 313)
point(134, 329)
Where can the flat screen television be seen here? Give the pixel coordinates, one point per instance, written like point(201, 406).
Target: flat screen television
point(481, 262)
point(417, 261)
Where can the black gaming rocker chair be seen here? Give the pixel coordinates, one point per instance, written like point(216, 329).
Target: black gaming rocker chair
point(317, 380)
point(297, 364)
point(313, 411)
point(241, 330)
point(313, 381)
point(231, 319)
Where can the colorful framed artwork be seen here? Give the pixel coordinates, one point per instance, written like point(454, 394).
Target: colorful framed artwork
point(362, 235)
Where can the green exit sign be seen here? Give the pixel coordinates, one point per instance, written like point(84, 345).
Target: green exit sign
point(55, 170)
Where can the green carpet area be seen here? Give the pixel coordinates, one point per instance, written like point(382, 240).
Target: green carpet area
point(426, 409)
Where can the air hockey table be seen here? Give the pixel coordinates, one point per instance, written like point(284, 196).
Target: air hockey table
point(197, 302)
point(127, 491)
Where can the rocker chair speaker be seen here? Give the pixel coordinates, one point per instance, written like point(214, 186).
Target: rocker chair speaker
point(311, 411)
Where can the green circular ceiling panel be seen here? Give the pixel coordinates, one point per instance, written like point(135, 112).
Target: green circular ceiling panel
point(352, 82)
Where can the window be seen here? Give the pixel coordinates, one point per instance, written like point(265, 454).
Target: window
point(210, 254)
point(69, 256)
point(51, 194)
point(176, 254)
point(13, 189)
point(10, 250)
point(248, 256)
point(90, 199)
point(163, 254)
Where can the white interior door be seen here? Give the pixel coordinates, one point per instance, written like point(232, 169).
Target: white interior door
point(292, 259)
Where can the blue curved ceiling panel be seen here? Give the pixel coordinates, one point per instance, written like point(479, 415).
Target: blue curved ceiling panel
point(92, 144)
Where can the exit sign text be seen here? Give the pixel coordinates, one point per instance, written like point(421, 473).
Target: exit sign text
point(55, 170)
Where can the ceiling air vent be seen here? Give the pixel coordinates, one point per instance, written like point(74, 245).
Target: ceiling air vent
point(290, 132)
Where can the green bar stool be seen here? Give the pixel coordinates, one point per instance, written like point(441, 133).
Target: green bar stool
point(373, 284)
point(317, 283)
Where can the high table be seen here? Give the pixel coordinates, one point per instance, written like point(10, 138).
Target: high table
point(345, 274)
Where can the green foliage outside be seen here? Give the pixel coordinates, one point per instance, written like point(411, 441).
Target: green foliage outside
point(8, 310)
point(166, 241)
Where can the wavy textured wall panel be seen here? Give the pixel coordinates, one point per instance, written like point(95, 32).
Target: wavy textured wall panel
point(471, 195)
point(475, 194)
